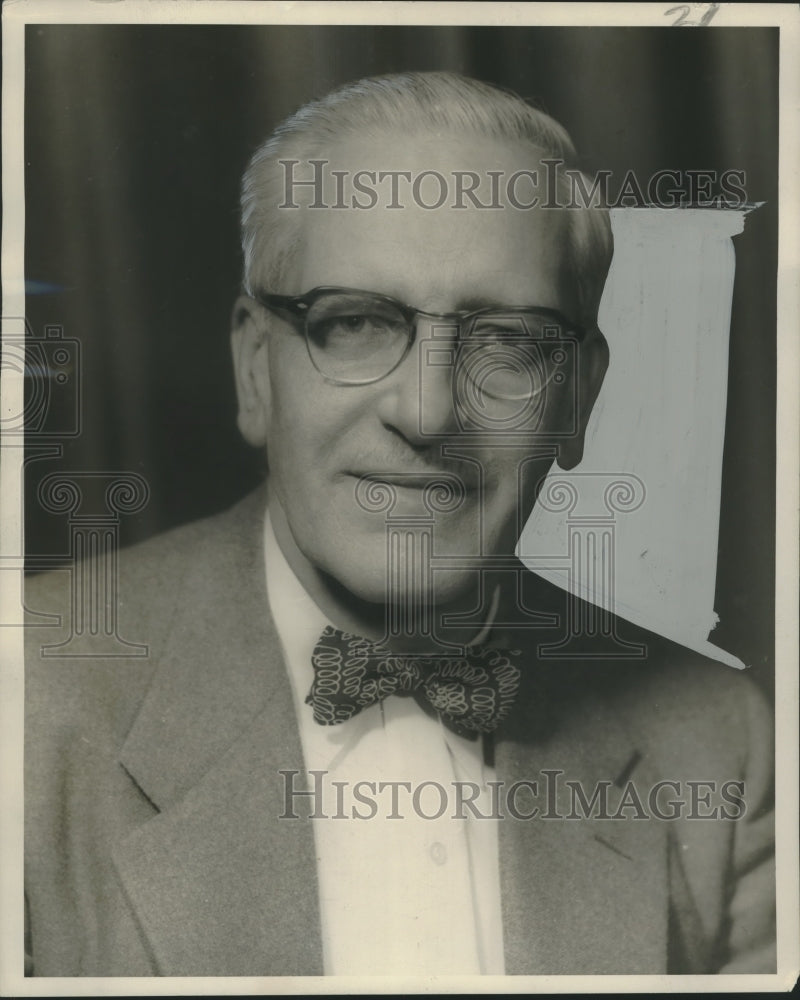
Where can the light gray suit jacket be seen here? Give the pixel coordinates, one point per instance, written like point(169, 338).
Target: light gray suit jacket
point(152, 794)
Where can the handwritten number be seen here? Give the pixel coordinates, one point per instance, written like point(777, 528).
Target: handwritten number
point(684, 10)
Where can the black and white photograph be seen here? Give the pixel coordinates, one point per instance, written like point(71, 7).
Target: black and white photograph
point(399, 498)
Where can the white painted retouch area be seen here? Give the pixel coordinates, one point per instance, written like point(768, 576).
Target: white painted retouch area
point(657, 431)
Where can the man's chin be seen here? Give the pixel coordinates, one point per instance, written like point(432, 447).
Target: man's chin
point(412, 596)
point(408, 566)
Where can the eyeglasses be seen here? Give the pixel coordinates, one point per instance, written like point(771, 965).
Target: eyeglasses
point(357, 337)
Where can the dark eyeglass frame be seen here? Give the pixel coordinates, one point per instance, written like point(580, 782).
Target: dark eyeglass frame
point(296, 307)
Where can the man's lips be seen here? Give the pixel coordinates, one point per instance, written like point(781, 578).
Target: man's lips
point(416, 480)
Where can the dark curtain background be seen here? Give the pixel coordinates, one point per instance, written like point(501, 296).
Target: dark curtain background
point(136, 138)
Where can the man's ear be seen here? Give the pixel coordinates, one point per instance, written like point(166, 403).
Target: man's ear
point(593, 356)
point(251, 372)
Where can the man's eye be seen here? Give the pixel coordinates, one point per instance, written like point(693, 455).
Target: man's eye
point(354, 323)
point(350, 330)
point(366, 324)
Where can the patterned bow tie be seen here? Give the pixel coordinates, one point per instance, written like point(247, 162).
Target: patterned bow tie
point(472, 693)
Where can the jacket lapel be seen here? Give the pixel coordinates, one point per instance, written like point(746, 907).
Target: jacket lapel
point(211, 875)
point(580, 896)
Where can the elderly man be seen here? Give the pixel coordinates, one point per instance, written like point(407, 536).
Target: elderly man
point(348, 751)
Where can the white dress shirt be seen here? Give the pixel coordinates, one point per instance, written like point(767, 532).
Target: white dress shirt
point(409, 895)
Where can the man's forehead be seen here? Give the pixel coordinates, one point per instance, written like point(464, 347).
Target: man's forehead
point(432, 215)
point(434, 262)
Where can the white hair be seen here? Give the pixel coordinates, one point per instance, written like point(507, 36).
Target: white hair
point(409, 103)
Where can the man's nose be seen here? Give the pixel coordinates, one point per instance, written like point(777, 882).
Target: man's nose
point(418, 399)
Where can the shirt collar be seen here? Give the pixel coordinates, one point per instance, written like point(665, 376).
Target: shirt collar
point(298, 619)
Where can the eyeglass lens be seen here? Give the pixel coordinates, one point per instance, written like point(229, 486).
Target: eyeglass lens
point(355, 337)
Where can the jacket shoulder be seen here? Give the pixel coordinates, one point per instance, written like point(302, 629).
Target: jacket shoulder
point(683, 708)
point(89, 660)
point(695, 713)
